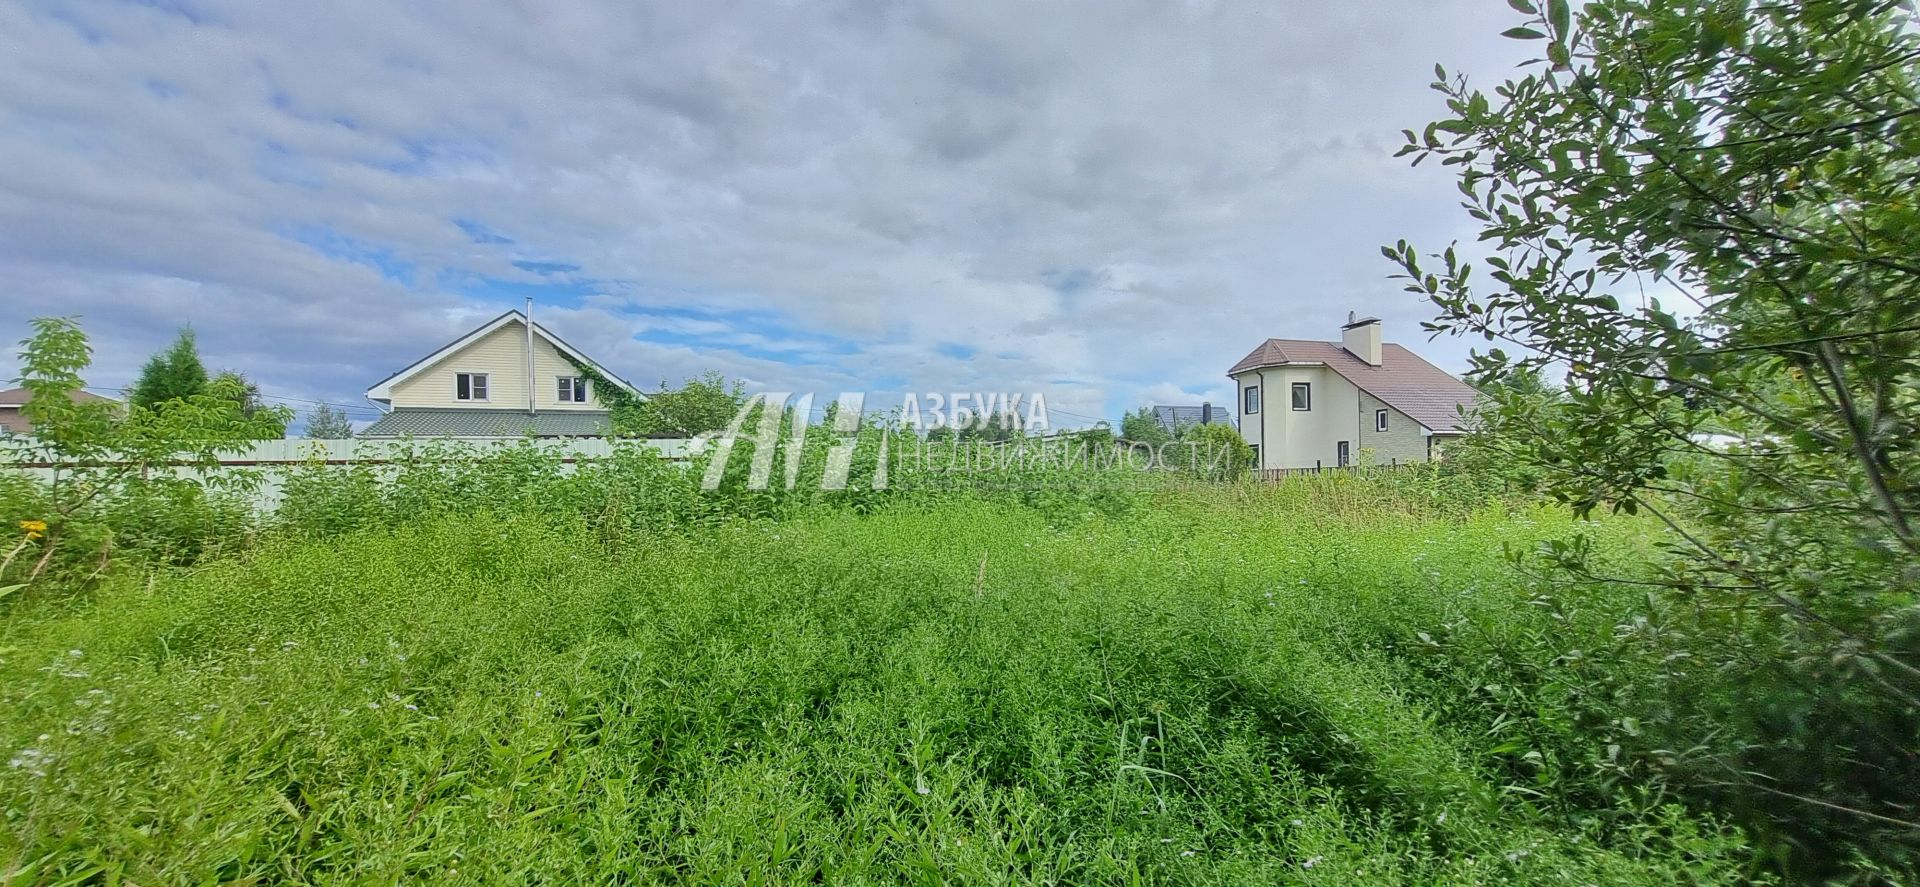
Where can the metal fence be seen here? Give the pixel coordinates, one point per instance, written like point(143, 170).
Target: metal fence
point(270, 460)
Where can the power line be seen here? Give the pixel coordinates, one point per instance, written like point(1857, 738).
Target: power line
point(265, 396)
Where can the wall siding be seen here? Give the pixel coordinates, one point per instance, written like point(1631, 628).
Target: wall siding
point(1403, 441)
point(502, 355)
point(1302, 439)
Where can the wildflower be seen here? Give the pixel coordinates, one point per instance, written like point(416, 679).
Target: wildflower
point(35, 528)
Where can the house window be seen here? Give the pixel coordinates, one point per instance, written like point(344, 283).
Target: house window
point(1303, 395)
point(469, 386)
point(1253, 400)
point(573, 389)
point(1379, 420)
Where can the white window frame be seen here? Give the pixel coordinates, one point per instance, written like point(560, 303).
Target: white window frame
point(1295, 398)
point(1379, 420)
point(570, 389)
point(1250, 400)
point(484, 387)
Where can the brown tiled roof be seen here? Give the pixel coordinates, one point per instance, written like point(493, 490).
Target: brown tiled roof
point(1403, 380)
point(14, 397)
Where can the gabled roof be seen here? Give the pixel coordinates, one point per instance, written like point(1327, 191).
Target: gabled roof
point(15, 397)
point(1174, 417)
point(1403, 380)
point(464, 422)
point(383, 391)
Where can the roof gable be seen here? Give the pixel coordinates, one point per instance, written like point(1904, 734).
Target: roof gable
point(1403, 380)
point(1171, 417)
point(383, 390)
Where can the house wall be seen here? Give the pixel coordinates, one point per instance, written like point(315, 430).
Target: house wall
point(502, 355)
point(12, 422)
point(1290, 438)
point(1403, 441)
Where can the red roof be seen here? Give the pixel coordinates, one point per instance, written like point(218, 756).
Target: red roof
point(1403, 380)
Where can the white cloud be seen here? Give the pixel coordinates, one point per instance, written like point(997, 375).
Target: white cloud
point(1110, 200)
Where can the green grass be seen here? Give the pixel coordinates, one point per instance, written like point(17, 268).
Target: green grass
point(1228, 687)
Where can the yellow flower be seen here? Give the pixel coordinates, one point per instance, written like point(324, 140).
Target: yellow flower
point(34, 528)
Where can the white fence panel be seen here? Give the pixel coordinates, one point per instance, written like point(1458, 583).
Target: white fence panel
point(270, 459)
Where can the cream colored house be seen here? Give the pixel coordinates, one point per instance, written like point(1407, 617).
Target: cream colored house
point(508, 378)
point(1310, 404)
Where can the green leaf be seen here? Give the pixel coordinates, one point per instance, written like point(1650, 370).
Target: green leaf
point(1558, 55)
point(1523, 6)
point(1523, 33)
point(9, 589)
point(1561, 13)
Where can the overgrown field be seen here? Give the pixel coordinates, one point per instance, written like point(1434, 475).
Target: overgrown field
point(1227, 685)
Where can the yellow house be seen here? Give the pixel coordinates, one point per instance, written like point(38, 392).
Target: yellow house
point(508, 378)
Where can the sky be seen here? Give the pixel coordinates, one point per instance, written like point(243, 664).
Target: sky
point(1107, 202)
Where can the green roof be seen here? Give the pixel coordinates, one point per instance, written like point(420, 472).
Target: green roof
point(462, 422)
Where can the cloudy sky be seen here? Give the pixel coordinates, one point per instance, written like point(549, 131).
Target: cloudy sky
point(1108, 201)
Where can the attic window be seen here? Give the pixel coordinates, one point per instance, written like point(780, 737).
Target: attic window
point(1379, 420)
point(469, 386)
point(573, 389)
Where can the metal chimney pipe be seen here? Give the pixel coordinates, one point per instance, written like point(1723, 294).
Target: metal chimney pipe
point(532, 408)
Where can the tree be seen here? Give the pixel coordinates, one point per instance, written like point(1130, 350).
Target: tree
point(1216, 451)
point(704, 404)
point(1754, 165)
point(1141, 426)
point(245, 394)
point(175, 373)
point(101, 457)
point(327, 423)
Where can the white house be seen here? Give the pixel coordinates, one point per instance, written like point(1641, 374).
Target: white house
point(1311, 404)
point(508, 378)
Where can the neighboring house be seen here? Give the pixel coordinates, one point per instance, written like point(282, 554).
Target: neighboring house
point(1174, 418)
point(1307, 404)
point(13, 419)
point(501, 380)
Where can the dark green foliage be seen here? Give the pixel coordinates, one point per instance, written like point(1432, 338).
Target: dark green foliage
point(1703, 212)
point(173, 374)
point(246, 394)
point(1140, 425)
point(702, 405)
point(1216, 452)
point(120, 489)
point(1250, 684)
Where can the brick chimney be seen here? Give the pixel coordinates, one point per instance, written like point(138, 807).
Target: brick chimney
point(1361, 337)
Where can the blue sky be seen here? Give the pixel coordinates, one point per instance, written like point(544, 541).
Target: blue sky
point(1106, 201)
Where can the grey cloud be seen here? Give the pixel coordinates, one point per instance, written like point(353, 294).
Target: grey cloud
point(901, 175)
